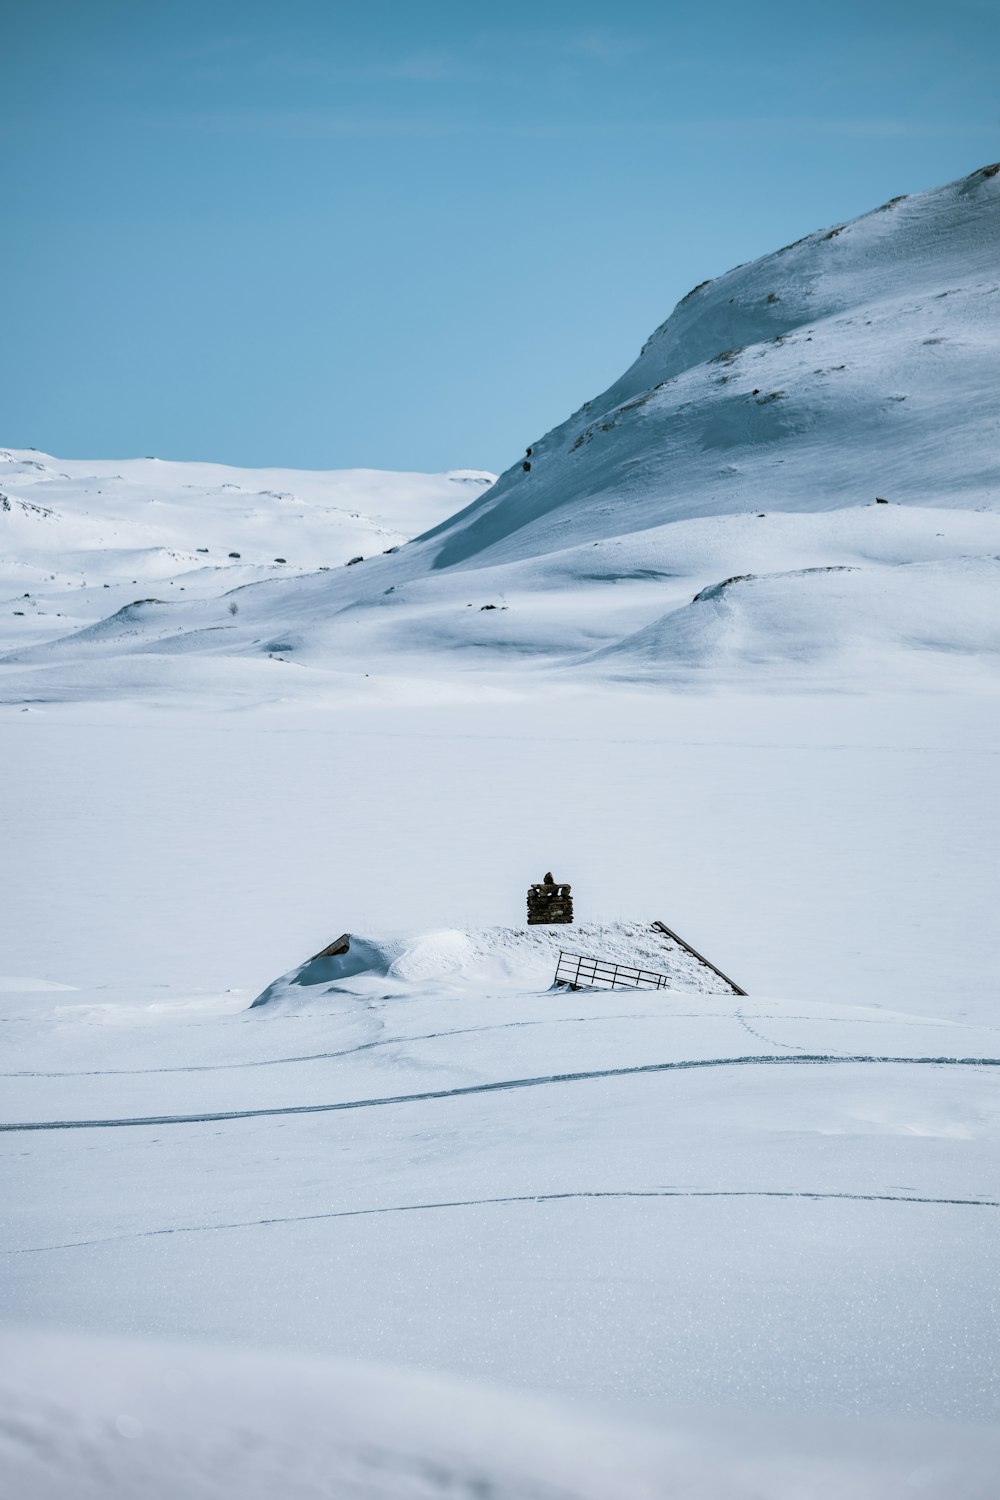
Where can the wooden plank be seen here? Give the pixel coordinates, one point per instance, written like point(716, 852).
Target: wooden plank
point(662, 927)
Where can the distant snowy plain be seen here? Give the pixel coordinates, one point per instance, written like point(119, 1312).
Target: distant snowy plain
point(748, 701)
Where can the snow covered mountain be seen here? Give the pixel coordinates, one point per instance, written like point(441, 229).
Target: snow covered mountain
point(713, 517)
point(861, 361)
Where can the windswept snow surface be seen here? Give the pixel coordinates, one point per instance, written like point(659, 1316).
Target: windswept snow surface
point(710, 520)
point(101, 1419)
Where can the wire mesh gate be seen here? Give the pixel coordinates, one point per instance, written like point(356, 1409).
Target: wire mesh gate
point(579, 972)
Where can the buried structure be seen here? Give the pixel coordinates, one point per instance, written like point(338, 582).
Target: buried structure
point(551, 904)
point(576, 972)
point(490, 960)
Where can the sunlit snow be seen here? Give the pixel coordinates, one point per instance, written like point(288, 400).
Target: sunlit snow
point(689, 662)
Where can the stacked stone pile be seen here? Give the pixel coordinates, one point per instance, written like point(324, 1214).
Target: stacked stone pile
point(549, 903)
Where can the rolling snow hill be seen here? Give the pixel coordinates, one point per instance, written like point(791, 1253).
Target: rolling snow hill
point(861, 361)
point(712, 517)
point(79, 535)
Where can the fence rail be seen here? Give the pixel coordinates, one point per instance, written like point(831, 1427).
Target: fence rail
point(576, 971)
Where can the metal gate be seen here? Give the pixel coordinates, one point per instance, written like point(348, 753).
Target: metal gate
point(579, 973)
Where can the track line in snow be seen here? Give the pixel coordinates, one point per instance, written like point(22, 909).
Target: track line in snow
point(501, 1086)
point(430, 1036)
point(389, 1041)
point(407, 1208)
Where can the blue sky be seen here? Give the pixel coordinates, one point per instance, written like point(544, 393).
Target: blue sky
point(417, 235)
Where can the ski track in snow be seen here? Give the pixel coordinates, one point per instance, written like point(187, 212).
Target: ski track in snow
point(389, 1041)
point(430, 1036)
point(567, 1197)
point(501, 1086)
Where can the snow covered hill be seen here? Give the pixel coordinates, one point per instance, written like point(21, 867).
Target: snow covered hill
point(861, 361)
point(712, 517)
point(73, 532)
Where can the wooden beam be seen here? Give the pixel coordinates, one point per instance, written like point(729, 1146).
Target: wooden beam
point(662, 927)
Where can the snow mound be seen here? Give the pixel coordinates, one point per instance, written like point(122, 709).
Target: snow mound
point(96, 1418)
point(485, 960)
point(329, 973)
point(872, 621)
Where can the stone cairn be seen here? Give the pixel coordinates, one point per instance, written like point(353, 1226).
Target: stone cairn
point(549, 903)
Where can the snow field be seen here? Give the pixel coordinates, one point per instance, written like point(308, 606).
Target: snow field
point(753, 1232)
point(689, 663)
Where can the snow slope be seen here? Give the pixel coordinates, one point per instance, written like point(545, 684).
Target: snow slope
point(861, 361)
point(752, 436)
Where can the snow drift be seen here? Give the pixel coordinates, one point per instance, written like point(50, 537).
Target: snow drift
point(491, 959)
point(94, 1419)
